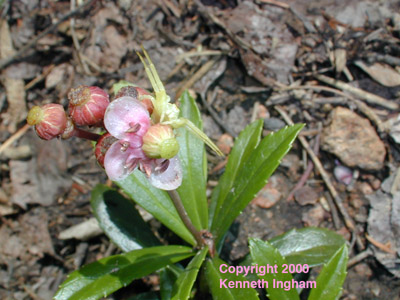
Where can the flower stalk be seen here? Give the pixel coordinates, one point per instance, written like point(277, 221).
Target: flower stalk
point(176, 200)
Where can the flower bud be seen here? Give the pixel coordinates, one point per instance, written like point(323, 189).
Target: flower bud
point(70, 129)
point(49, 120)
point(160, 142)
point(87, 105)
point(102, 146)
point(146, 99)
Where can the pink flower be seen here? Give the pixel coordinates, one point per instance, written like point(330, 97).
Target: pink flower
point(87, 105)
point(127, 119)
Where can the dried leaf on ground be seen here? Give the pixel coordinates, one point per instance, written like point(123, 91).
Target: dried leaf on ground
point(384, 227)
point(382, 73)
point(31, 239)
point(15, 88)
point(40, 179)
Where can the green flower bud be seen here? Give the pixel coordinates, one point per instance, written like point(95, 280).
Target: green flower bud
point(160, 142)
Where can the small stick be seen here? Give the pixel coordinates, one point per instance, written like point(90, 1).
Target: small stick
point(307, 172)
point(196, 76)
point(338, 201)
point(76, 42)
point(6, 61)
point(334, 212)
point(184, 217)
point(383, 247)
point(360, 105)
point(396, 182)
point(214, 114)
point(359, 257)
point(368, 97)
point(276, 3)
point(14, 137)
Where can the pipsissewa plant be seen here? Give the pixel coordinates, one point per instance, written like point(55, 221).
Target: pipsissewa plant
point(154, 151)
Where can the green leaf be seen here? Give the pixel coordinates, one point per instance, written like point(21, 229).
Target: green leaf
point(145, 296)
point(217, 281)
point(246, 142)
point(312, 246)
point(120, 220)
point(264, 254)
point(193, 159)
point(168, 276)
point(155, 201)
point(331, 278)
point(252, 176)
point(184, 283)
point(109, 274)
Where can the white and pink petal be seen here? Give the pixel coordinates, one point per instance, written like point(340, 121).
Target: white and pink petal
point(125, 117)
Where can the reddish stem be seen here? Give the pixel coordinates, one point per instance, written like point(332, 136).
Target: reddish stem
point(86, 134)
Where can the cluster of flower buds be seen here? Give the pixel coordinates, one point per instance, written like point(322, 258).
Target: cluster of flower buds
point(140, 128)
point(87, 106)
point(131, 140)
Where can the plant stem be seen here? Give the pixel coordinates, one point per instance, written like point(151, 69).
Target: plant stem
point(86, 134)
point(184, 216)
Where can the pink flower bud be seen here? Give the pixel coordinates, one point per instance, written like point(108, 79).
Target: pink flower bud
point(160, 142)
point(87, 105)
point(103, 144)
point(128, 90)
point(49, 120)
point(145, 98)
point(70, 129)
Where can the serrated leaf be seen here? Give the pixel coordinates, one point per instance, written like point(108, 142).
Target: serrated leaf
point(168, 276)
point(120, 220)
point(264, 254)
point(331, 278)
point(155, 201)
point(312, 246)
point(184, 283)
point(109, 274)
point(245, 143)
point(217, 281)
point(192, 157)
point(253, 175)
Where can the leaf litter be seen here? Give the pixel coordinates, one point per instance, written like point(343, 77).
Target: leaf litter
point(308, 57)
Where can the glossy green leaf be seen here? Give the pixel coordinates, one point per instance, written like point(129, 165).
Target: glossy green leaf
point(168, 276)
point(183, 285)
point(120, 220)
point(330, 280)
point(245, 143)
point(312, 246)
point(193, 159)
point(264, 254)
point(145, 296)
point(109, 274)
point(155, 201)
point(227, 286)
point(253, 175)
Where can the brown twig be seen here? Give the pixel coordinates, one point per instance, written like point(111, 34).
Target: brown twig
point(334, 212)
point(359, 257)
point(196, 76)
point(6, 61)
point(338, 201)
point(214, 114)
point(383, 247)
point(14, 137)
point(368, 97)
point(76, 42)
point(369, 113)
point(276, 3)
point(307, 172)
